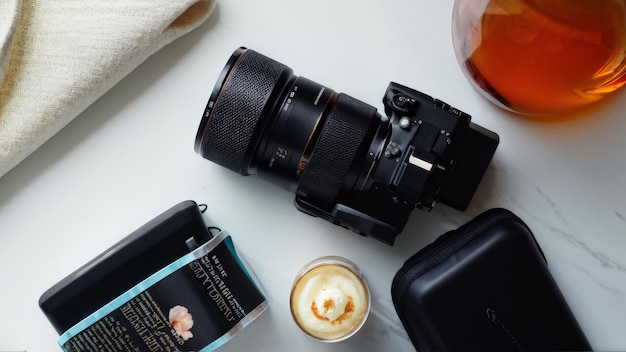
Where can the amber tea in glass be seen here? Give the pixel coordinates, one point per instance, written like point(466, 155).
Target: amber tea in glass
point(542, 57)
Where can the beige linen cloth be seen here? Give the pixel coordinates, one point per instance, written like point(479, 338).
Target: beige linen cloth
point(58, 56)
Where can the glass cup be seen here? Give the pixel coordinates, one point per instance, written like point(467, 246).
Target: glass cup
point(330, 300)
point(541, 57)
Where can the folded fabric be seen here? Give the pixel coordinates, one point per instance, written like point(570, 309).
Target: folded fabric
point(58, 56)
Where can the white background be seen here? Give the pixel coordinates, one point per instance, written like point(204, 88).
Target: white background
point(130, 156)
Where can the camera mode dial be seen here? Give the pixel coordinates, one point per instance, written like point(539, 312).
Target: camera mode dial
point(402, 103)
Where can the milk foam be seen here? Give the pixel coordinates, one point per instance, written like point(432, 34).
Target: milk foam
point(330, 302)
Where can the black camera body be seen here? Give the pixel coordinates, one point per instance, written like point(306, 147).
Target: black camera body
point(345, 162)
point(424, 151)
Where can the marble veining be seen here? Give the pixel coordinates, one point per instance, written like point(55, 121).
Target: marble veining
point(564, 179)
point(562, 228)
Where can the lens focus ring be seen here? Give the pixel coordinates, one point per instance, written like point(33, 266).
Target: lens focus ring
point(335, 152)
point(236, 122)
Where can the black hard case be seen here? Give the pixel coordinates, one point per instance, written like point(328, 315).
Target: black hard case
point(137, 256)
point(484, 287)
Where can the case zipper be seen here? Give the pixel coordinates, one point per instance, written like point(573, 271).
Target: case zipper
point(441, 248)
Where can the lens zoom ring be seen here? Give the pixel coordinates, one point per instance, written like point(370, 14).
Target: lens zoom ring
point(336, 149)
point(238, 110)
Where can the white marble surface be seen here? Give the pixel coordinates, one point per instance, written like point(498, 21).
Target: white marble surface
point(130, 156)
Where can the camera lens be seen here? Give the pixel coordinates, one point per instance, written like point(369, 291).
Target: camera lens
point(262, 119)
point(344, 161)
point(240, 108)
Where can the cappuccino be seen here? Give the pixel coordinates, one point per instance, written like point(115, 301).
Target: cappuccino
point(329, 299)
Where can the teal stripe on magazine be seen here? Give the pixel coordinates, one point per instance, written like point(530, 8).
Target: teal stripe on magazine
point(139, 288)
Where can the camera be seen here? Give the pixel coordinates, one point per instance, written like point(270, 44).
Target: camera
point(345, 162)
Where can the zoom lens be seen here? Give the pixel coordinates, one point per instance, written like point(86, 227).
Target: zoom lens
point(262, 119)
point(344, 161)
